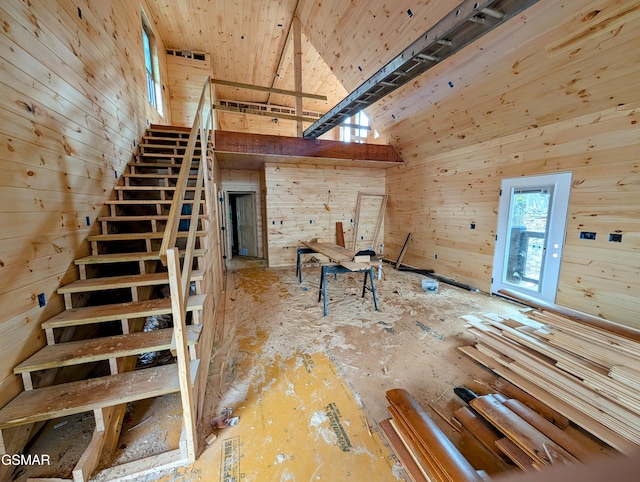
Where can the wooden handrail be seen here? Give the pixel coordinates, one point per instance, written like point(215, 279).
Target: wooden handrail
point(198, 127)
point(179, 278)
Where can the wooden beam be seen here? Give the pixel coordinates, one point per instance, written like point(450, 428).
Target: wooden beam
point(272, 90)
point(245, 143)
point(297, 70)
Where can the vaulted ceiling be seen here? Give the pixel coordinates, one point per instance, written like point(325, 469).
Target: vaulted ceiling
point(251, 41)
point(532, 71)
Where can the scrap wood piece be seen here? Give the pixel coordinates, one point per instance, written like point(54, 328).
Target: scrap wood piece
point(516, 454)
point(401, 451)
point(603, 432)
point(432, 440)
point(339, 234)
point(511, 391)
point(570, 444)
point(426, 464)
point(485, 433)
point(403, 250)
point(537, 445)
point(542, 370)
point(626, 375)
point(581, 419)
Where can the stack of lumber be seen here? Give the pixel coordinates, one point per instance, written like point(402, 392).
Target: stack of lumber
point(516, 432)
point(424, 450)
point(584, 372)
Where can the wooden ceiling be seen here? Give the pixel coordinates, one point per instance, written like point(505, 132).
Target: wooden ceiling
point(250, 41)
point(468, 98)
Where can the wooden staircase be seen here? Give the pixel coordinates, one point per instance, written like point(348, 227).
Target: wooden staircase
point(121, 285)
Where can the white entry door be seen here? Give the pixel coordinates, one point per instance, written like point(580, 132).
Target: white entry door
point(532, 218)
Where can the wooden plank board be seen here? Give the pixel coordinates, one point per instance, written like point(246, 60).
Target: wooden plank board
point(441, 450)
point(479, 428)
point(592, 426)
point(133, 309)
point(125, 281)
point(401, 451)
point(127, 257)
point(135, 236)
point(71, 398)
point(335, 253)
point(96, 349)
point(512, 391)
point(516, 454)
point(571, 445)
point(535, 444)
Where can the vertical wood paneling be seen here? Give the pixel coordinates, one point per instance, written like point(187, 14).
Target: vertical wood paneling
point(305, 202)
point(242, 180)
point(73, 106)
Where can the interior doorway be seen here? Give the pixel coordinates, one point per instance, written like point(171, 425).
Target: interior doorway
point(242, 224)
point(532, 218)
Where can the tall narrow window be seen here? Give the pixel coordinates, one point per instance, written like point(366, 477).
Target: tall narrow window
point(151, 65)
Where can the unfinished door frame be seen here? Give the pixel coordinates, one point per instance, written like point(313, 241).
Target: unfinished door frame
point(229, 226)
point(383, 206)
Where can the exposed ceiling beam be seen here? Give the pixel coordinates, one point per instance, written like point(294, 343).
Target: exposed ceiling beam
point(290, 147)
point(460, 27)
point(240, 85)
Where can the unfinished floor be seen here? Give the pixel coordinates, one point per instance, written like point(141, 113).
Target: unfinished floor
point(272, 326)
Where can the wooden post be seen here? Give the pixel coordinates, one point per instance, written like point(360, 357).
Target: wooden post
point(184, 375)
point(297, 70)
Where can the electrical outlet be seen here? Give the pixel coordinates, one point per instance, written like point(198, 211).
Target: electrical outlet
point(615, 237)
point(587, 235)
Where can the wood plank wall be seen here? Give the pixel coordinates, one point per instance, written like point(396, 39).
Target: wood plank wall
point(73, 107)
point(305, 202)
point(568, 100)
point(244, 180)
point(185, 78)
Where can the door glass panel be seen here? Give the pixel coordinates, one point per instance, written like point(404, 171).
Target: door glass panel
point(528, 221)
point(532, 213)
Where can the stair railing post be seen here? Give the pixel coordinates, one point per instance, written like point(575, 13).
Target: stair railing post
point(179, 311)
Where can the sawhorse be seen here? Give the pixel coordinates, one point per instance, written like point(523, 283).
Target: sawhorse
point(328, 269)
point(299, 262)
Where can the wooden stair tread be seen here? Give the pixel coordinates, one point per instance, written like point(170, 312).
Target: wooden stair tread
point(134, 236)
point(150, 188)
point(147, 217)
point(97, 349)
point(161, 164)
point(76, 397)
point(128, 257)
point(120, 202)
point(155, 175)
point(147, 138)
point(118, 311)
point(126, 281)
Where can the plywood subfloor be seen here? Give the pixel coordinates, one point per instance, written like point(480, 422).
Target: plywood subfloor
point(409, 343)
point(274, 328)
